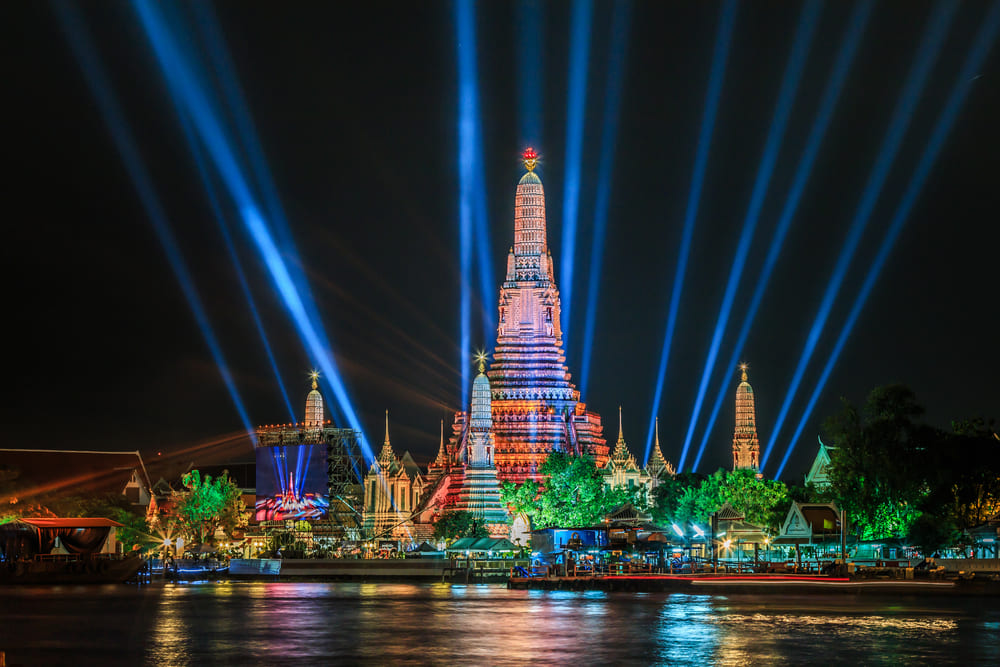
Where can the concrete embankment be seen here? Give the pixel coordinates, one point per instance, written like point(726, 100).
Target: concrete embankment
point(408, 569)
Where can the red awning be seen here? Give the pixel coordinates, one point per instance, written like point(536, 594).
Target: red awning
point(72, 523)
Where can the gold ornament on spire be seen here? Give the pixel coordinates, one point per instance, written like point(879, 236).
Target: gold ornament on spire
point(743, 371)
point(315, 376)
point(530, 158)
point(481, 358)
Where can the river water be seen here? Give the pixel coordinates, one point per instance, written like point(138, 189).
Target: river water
point(440, 624)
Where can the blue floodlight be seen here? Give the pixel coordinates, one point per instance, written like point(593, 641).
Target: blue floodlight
point(188, 90)
point(579, 56)
point(973, 61)
point(828, 102)
point(786, 96)
point(698, 531)
point(719, 55)
point(530, 58)
point(930, 47)
point(473, 222)
point(86, 54)
point(612, 96)
point(220, 219)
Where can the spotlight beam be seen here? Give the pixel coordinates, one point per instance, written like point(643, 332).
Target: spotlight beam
point(981, 46)
point(930, 47)
point(797, 58)
point(720, 54)
point(186, 88)
point(827, 105)
point(620, 21)
point(472, 205)
point(220, 219)
point(576, 99)
point(84, 51)
point(530, 70)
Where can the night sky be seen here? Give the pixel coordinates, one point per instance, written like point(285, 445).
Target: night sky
point(356, 108)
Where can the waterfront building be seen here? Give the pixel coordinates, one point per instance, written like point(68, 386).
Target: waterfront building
point(746, 447)
point(35, 475)
point(819, 472)
point(393, 488)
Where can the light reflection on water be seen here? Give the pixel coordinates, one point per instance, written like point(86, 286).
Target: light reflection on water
point(324, 623)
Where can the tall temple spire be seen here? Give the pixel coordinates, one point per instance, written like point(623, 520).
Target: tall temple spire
point(746, 447)
point(386, 455)
point(658, 465)
point(536, 408)
point(530, 242)
point(480, 492)
point(442, 457)
point(314, 404)
point(621, 453)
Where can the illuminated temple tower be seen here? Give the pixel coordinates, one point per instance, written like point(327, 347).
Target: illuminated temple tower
point(746, 449)
point(536, 409)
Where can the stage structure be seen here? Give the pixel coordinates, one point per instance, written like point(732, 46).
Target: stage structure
point(310, 471)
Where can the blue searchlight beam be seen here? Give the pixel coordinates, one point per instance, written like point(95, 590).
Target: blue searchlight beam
point(966, 78)
point(930, 47)
point(619, 38)
point(576, 100)
point(772, 146)
point(723, 38)
point(86, 55)
point(187, 90)
point(828, 102)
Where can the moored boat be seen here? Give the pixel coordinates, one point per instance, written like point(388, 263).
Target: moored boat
point(63, 551)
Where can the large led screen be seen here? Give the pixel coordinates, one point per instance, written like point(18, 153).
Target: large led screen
point(291, 483)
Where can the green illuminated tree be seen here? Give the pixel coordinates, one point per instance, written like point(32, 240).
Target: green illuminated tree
point(453, 525)
point(693, 498)
point(880, 466)
point(206, 506)
point(573, 494)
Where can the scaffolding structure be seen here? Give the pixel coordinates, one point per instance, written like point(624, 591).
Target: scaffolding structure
point(344, 465)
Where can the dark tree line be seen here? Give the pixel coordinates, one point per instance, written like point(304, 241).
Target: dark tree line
point(899, 477)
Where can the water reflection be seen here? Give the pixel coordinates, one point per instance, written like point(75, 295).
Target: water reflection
point(324, 623)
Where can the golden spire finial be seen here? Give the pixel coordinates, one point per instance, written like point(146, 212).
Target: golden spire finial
point(743, 370)
point(530, 158)
point(481, 358)
point(621, 436)
point(386, 428)
point(315, 376)
point(657, 432)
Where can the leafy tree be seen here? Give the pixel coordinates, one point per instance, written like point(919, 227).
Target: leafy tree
point(521, 498)
point(206, 506)
point(694, 499)
point(572, 494)
point(453, 525)
point(930, 533)
point(667, 496)
point(880, 466)
point(965, 482)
